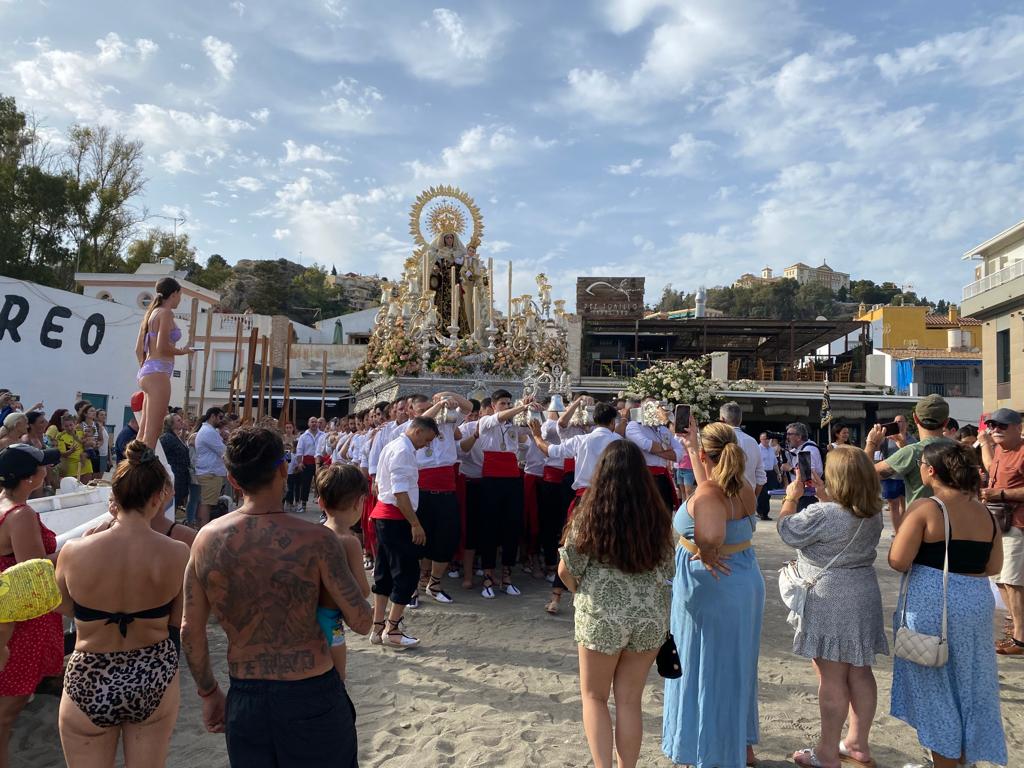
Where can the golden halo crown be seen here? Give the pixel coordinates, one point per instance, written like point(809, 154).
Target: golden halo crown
point(446, 219)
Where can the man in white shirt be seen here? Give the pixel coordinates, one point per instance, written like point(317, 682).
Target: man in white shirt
point(399, 532)
point(388, 432)
point(731, 414)
point(551, 497)
point(586, 450)
point(798, 441)
point(501, 492)
point(306, 451)
point(661, 449)
point(471, 461)
point(210, 470)
point(771, 471)
point(438, 511)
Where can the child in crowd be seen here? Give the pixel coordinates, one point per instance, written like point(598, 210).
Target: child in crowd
point(341, 490)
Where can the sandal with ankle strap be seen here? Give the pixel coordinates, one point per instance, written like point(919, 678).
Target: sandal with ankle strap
point(488, 590)
point(377, 636)
point(396, 637)
point(554, 603)
point(506, 583)
point(435, 591)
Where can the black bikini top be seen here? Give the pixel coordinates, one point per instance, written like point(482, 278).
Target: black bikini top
point(121, 619)
point(965, 555)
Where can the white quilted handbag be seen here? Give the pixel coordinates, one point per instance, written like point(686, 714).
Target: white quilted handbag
point(926, 650)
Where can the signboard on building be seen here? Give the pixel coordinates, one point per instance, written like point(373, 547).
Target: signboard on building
point(610, 298)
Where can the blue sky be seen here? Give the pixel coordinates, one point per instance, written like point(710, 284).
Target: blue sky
point(686, 141)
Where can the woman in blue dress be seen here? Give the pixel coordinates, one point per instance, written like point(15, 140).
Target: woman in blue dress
point(710, 716)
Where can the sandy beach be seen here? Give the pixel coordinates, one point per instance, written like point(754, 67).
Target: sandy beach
point(495, 684)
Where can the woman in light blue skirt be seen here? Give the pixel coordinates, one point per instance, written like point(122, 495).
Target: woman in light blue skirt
point(710, 718)
point(955, 707)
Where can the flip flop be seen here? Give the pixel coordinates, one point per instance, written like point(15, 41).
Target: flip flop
point(846, 757)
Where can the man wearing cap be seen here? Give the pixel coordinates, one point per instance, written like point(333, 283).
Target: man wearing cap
point(1003, 453)
point(930, 415)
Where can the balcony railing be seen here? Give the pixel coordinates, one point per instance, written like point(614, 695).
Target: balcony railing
point(994, 280)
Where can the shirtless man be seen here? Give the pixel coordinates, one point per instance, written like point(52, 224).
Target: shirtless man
point(261, 571)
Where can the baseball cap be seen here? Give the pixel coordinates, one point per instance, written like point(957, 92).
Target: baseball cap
point(931, 411)
point(1003, 416)
point(22, 460)
point(136, 401)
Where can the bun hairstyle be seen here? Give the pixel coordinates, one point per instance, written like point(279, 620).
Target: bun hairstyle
point(955, 465)
point(718, 441)
point(139, 477)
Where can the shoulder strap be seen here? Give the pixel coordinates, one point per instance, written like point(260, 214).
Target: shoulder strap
point(842, 552)
point(905, 581)
point(16, 506)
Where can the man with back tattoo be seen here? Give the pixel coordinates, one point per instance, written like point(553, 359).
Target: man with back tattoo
point(261, 572)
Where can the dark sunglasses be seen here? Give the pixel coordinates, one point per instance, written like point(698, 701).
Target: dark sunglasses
point(997, 425)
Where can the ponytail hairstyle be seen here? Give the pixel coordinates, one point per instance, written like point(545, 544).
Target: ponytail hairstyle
point(138, 478)
point(165, 288)
point(955, 465)
point(718, 441)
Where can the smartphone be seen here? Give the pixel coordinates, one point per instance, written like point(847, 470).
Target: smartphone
point(892, 428)
point(682, 419)
point(804, 460)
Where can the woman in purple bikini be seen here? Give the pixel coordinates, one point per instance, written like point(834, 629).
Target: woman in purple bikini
point(155, 351)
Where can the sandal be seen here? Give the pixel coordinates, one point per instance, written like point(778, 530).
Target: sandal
point(396, 637)
point(377, 635)
point(414, 601)
point(846, 757)
point(807, 758)
point(506, 583)
point(367, 562)
point(435, 591)
point(553, 604)
point(488, 590)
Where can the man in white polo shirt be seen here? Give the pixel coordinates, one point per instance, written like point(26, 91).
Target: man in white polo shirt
point(754, 471)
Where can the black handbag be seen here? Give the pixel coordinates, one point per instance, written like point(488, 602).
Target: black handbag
point(667, 662)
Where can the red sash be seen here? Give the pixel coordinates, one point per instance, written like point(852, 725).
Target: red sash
point(308, 460)
point(384, 511)
point(553, 475)
point(326, 460)
point(500, 464)
point(440, 479)
point(664, 471)
point(569, 466)
point(575, 500)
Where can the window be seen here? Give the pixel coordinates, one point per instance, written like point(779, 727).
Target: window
point(223, 367)
point(1003, 364)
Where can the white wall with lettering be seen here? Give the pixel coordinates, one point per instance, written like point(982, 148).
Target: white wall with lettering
point(55, 345)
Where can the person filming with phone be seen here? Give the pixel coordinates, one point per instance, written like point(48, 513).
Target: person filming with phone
point(803, 457)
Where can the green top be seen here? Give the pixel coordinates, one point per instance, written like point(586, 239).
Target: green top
point(905, 463)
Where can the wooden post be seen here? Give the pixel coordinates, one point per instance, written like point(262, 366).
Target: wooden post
point(323, 388)
point(285, 415)
point(206, 361)
point(236, 364)
point(191, 355)
point(250, 365)
point(263, 375)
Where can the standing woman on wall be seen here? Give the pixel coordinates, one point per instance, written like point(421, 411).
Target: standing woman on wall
point(155, 351)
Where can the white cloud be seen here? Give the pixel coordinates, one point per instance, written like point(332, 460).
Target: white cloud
point(247, 183)
point(238, 7)
point(295, 153)
point(690, 43)
point(625, 169)
point(281, 233)
point(208, 133)
point(987, 55)
point(173, 162)
point(479, 149)
point(260, 115)
point(221, 54)
point(449, 48)
point(498, 246)
point(686, 156)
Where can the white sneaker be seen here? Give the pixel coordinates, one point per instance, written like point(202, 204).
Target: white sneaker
point(511, 589)
point(414, 602)
point(454, 573)
point(479, 571)
point(439, 594)
point(488, 592)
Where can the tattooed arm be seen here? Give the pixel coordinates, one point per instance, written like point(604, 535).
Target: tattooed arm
point(197, 648)
point(336, 576)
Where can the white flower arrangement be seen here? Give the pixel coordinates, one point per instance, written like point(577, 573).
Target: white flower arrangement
point(681, 381)
point(652, 414)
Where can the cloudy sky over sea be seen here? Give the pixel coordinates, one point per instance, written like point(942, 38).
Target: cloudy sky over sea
point(686, 141)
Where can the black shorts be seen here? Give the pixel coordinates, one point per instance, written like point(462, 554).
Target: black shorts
point(291, 724)
point(396, 570)
point(439, 515)
point(473, 507)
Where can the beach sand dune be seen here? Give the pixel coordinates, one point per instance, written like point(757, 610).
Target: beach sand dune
point(495, 684)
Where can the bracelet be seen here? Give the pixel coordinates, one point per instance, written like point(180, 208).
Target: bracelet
point(793, 499)
point(210, 692)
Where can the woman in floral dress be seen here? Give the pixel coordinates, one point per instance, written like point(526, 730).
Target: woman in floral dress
point(616, 558)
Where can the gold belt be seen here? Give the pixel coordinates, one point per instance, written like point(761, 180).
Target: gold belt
point(725, 549)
